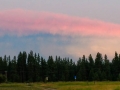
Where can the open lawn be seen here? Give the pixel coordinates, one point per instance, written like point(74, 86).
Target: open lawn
point(62, 86)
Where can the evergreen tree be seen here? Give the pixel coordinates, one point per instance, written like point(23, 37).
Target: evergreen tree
point(98, 66)
point(83, 69)
point(12, 70)
point(57, 69)
point(30, 67)
point(43, 70)
point(38, 67)
point(115, 67)
point(1, 65)
point(107, 71)
point(82, 72)
point(72, 70)
point(21, 66)
point(91, 66)
point(4, 64)
point(35, 68)
point(78, 73)
point(51, 68)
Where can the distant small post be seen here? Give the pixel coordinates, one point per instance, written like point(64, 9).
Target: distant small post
point(6, 75)
point(75, 78)
point(46, 79)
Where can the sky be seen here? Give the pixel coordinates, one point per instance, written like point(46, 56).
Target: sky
point(66, 28)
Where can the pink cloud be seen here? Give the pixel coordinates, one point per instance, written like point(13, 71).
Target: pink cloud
point(25, 22)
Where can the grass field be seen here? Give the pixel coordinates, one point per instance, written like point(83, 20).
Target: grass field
point(62, 86)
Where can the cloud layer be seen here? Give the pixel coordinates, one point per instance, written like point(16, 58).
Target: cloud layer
point(24, 22)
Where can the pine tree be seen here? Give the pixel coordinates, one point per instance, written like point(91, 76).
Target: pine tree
point(57, 69)
point(43, 71)
point(107, 68)
point(115, 67)
point(12, 70)
point(21, 66)
point(51, 68)
point(4, 64)
point(1, 65)
point(98, 66)
point(91, 66)
point(78, 73)
point(30, 67)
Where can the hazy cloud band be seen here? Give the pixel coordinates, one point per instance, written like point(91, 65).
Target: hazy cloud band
point(24, 22)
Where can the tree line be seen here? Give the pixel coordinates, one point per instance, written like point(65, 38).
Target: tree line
point(32, 67)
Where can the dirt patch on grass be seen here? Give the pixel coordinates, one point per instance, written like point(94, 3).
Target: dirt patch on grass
point(49, 89)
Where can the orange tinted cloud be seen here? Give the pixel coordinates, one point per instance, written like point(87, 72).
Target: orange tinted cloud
point(25, 22)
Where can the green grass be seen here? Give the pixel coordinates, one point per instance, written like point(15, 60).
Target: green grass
point(62, 86)
point(20, 86)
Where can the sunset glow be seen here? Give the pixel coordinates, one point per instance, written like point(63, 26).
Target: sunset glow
point(65, 28)
point(25, 22)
